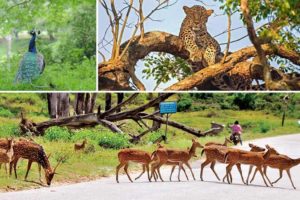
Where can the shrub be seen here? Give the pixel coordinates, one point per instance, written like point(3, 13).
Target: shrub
point(263, 127)
point(57, 134)
point(184, 104)
point(113, 140)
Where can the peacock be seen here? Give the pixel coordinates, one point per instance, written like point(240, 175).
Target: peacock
point(32, 64)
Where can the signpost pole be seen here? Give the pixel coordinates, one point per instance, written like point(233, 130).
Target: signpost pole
point(167, 107)
point(166, 127)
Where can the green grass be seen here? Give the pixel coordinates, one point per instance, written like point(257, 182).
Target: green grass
point(56, 77)
point(101, 162)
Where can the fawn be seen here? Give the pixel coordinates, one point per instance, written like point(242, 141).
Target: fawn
point(6, 154)
point(236, 156)
point(281, 162)
point(34, 153)
point(80, 146)
point(132, 155)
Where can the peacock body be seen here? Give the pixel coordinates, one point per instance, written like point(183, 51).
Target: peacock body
point(32, 64)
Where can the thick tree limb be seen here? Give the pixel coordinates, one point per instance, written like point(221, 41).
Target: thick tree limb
point(199, 78)
point(132, 113)
point(115, 75)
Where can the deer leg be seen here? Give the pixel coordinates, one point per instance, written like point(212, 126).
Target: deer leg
point(189, 166)
point(117, 171)
point(265, 173)
point(173, 167)
point(40, 176)
point(180, 166)
point(241, 173)
point(158, 169)
point(230, 177)
point(144, 169)
point(185, 173)
point(260, 171)
point(206, 162)
point(228, 171)
point(254, 175)
point(280, 176)
point(153, 173)
point(212, 167)
point(11, 165)
point(249, 172)
point(126, 171)
point(289, 174)
point(147, 168)
point(15, 168)
point(28, 168)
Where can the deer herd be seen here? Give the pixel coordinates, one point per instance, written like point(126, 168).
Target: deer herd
point(11, 151)
point(258, 157)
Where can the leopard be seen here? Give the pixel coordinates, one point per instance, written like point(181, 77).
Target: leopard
point(204, 48)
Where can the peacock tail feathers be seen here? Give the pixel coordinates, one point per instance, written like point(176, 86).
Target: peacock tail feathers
point(31, 66)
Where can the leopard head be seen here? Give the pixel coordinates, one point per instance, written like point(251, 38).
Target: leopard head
point(198, 16)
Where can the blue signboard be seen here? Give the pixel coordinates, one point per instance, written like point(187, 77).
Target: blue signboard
point(168, 107)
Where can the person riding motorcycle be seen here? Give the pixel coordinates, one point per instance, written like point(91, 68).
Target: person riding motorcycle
point(236, 132)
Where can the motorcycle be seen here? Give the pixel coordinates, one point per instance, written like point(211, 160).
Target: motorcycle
point(235, 138)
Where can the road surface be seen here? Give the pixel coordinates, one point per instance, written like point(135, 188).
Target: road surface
point(209, 189)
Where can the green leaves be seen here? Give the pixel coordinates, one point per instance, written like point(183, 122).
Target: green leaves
point(164, 67)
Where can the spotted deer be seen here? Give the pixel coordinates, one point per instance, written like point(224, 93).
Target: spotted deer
point(159, 158)
point(281, 162)
point(257, 159)
point(80, 146)
point(216, 153)
point(184, 156)
point(6, 152)
point(133, 155)
point(33, 152)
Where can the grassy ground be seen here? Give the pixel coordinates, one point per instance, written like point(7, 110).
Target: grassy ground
point(57, 76)
point(100, 163)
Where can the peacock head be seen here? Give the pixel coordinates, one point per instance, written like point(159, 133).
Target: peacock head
point(34, 32)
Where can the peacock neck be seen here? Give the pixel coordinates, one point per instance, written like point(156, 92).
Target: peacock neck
point(32, 46)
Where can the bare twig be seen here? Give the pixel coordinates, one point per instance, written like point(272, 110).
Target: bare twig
point(228, 38)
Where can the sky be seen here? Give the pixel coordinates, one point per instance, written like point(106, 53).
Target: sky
point(171, 19)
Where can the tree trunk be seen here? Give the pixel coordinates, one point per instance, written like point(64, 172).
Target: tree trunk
point(63, 105)
point(156, 124)
point(52, 104)
point(107, 101)
point(90, 100)
point(58, 105)
point(120, 100)
point(79, 103)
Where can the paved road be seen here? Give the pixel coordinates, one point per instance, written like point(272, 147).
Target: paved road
point(210, 188)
